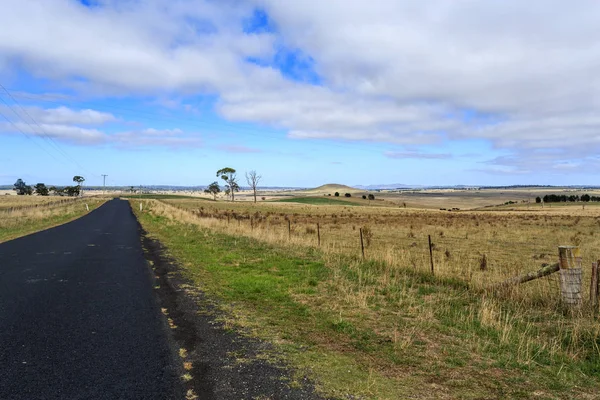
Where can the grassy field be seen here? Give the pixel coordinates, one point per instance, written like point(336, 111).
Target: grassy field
point(318, 201)
point(24, 221)
point(7, 202)
point(383, 327)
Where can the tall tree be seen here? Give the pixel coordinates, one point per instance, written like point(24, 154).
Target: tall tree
point(253, 179)
point(213, 189)
point(230, 177)
point(79, 180)
point(41, 189)
point(22, 188)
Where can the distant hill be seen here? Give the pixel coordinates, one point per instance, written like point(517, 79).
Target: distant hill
point(333, 187)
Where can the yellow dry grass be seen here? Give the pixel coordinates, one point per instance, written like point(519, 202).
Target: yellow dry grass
point(511, 242)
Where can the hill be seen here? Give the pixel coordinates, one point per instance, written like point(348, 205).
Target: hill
point(333, 187)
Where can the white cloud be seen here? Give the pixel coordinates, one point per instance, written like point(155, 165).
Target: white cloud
point(402, 72)
point(62, 125)
point(416, 154)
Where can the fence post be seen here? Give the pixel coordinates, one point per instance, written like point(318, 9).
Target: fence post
point(289, 229)
point(362, 245)
point(594, 285)
point(431, 254)
point(86, 207)
point(319, 234)
point(570, 275)
point(251, 223)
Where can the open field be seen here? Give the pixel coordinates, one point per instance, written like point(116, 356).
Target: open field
point(21, 217)
point(384, 327)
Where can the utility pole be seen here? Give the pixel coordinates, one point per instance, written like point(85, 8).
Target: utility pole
point(104, 183)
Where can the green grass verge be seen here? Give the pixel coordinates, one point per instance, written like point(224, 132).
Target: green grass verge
point(318, 201)
point(441, 345)
point(27, 225)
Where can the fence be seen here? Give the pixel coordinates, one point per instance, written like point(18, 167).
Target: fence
point(481, 256)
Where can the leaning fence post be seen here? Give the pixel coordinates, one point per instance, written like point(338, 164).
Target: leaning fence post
point(570, 275)
point(431, 254)
point(319, 234)
point(362, 245)
point(594, 285)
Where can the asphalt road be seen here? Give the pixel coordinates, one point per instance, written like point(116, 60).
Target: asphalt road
point(78, 315)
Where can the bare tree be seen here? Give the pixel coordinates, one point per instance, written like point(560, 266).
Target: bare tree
point(253, 179)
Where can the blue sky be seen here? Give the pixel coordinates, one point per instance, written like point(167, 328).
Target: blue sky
point(382, 92)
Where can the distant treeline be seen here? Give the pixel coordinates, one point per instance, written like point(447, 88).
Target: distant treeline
point(563, 198)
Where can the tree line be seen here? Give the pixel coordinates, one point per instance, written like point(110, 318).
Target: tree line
point(563, 198)
point(23, 189)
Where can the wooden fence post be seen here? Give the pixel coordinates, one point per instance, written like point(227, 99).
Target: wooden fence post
point(570, 275)
point(289, 229)
point(431, 254)
point(362, 245)
point(594, 285)
point(319, 234)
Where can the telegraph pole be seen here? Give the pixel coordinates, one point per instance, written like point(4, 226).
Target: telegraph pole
point(104, 183)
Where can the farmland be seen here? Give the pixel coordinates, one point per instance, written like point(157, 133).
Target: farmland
point(385, 326)
point(22, 215)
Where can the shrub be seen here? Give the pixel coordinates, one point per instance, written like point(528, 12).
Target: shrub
point(364, 197)
point(337, 194)
point(371, 197)
point(348, 195)
point(538, 199)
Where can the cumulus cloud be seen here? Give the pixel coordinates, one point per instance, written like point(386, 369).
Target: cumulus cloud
point(59, 115)
point(63, 125)
point(521, 75)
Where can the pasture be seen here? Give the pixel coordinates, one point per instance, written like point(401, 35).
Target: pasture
point(384, 326)
point(23, 215)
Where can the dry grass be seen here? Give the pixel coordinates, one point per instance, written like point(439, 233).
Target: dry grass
point(512, 243)
point(388, 315)
point(24, 219)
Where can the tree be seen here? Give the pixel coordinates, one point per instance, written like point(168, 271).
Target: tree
point(585, 197)
point(538, 199)
point(41, 189)
point(364, 197)
point(22, 188)
point(72, 191)
point(213, 189)
point(230, 178)
point(371, 196)
point(253, 178)
point(79, 180)
point(337, 194)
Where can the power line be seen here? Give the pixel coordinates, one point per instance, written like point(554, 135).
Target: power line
point(27, 136)
point(44, 133)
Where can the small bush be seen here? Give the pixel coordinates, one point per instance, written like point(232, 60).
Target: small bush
point(371, 197)
point(364, 197)
point(337, 194)
point(347, 195)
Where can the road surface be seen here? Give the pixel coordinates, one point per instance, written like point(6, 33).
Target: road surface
point(78, 316)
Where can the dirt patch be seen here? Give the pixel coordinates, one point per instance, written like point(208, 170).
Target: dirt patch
point(217, 362)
